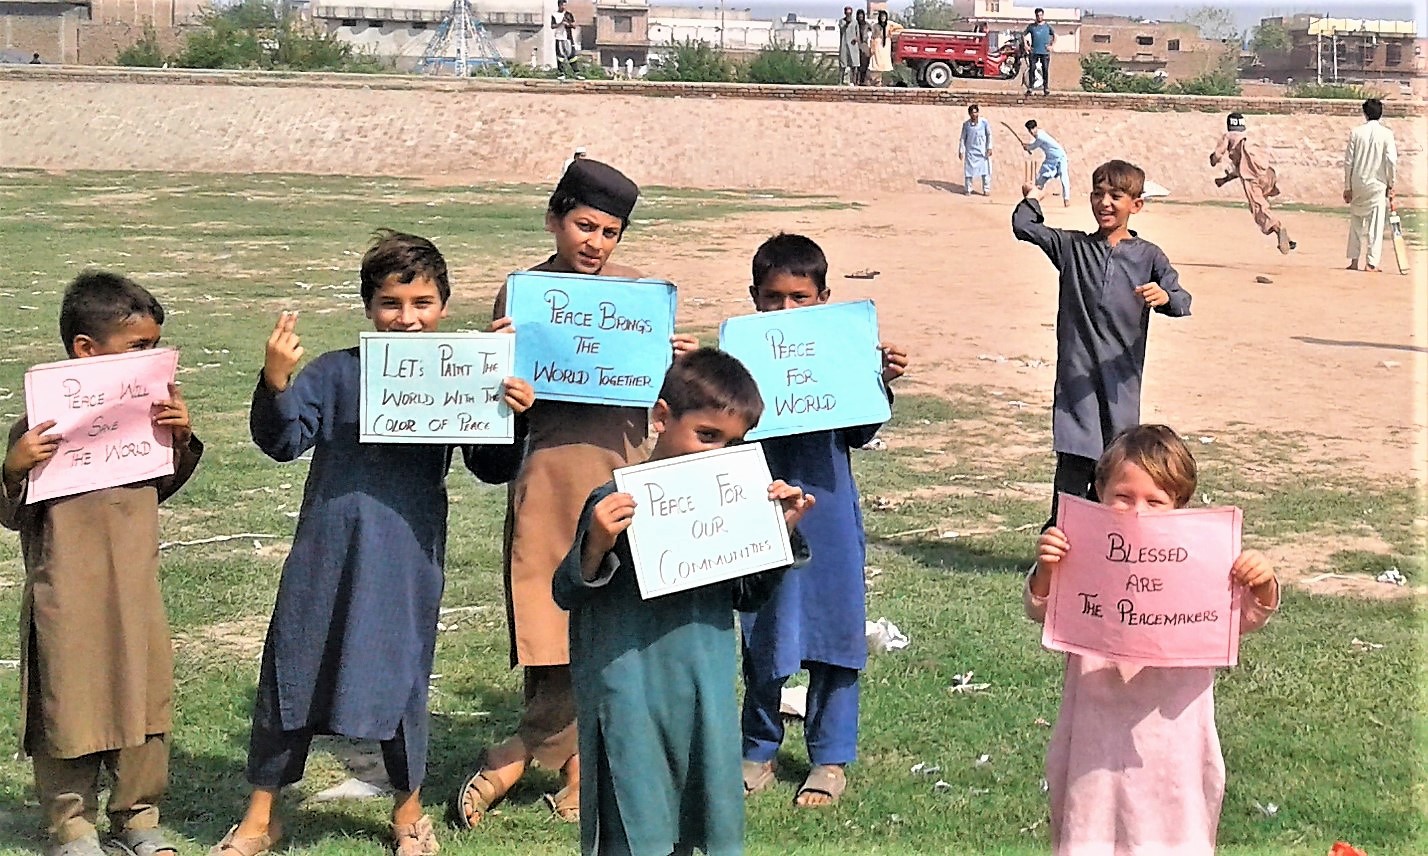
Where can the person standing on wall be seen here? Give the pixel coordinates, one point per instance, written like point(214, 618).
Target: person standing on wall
point(1038, 39)
point(562, 23)
point(865, 46)
point(848, 54)
point(884, 32)
point(1370, 166)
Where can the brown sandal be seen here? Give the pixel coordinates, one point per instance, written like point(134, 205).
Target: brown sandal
point(758, 775)
point(479, 795)
point(415, 839)
point(258, 845)
point(564, 804)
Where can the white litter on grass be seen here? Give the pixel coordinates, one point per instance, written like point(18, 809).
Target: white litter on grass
point(977, 792)
point(1389, 364)
point(1392, 576)
point(924, 768)
point(1205, 441)
point(1361, 645)
point(940, 785)
point(793, 701)
point(1153, 190)
point(1269, 810)
point(963, 684)
point(883, 636)
point(351, 789)
point(992, 358)
point(982, 760)
point(874, 445)
point(217, 539)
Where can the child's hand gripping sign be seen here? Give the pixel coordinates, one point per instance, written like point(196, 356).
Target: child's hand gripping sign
point(112, 415)
point(1146, 589)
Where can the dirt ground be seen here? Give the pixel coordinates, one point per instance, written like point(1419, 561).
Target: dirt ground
point(1339, 359)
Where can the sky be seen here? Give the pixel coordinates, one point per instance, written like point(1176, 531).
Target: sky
point(1247, 12)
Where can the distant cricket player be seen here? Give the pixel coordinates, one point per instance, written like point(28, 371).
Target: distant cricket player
point(1370, 165)
point(1053, 161)
point(1252, 165)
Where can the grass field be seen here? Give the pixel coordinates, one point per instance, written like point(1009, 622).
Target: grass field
point(1330, 734)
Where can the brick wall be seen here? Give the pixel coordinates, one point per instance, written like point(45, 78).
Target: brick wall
point(55, 37)
point(805, 139)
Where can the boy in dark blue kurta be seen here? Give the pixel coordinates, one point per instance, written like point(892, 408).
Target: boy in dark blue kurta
point(1111, 279)
point(653, 679)
point(350, 645)
point(815, 618)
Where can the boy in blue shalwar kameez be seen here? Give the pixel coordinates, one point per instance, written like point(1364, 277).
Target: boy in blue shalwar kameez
point(654, 688)
point(350, 645)
point(815, 618)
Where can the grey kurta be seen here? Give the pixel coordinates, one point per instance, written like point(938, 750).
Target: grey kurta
point(92, 619)
point(1101, 327)
point(654, 691)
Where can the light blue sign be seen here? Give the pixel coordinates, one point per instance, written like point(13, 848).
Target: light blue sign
point(592, 339)
point(818, 367)
point(436, 387)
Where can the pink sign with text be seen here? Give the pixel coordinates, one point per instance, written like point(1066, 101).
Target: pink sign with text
point(103, 408)
point(1148, 589)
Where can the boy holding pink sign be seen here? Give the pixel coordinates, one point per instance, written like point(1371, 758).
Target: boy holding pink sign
point(1134, 764)
point(654, 678)
point(96, 660)
point(815, 618)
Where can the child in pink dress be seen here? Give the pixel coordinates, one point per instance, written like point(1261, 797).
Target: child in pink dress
point(1134, 765)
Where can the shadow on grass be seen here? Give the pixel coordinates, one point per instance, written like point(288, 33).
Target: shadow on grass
point(966, 556)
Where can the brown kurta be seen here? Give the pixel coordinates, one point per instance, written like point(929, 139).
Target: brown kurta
point(573, 448)
point(1254, 167)
point(93, 609)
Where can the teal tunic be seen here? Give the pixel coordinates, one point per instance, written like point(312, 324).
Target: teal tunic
point(654, 696)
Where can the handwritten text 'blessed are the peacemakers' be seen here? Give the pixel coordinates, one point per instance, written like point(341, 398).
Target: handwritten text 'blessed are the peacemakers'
point(449, 367)
point(1120, 551)
point(606, 318)
point(80, 451)
point(701, 528)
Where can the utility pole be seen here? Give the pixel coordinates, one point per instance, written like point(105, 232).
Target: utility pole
point(721, 26)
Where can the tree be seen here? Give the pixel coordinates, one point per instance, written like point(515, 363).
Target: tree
point(1216, 23)
point(1270, 37)
point(929, 15)
point(694, 62)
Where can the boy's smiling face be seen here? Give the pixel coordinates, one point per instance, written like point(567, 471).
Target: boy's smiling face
point(1131, 488)
point(1113, 207)
point(782, 290)
point(135, 333)
point(584, 238)
point(406, 307)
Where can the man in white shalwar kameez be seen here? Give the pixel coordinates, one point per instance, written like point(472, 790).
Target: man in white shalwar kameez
point(975, 150)
point(1370, 164)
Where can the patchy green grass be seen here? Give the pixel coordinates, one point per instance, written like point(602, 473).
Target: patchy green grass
point(1330, 734)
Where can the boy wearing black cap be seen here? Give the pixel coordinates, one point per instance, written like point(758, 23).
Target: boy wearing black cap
point(1252, 165)
point(573, 449)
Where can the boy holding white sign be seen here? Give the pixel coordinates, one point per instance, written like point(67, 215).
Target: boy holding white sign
point(96, 660)
point(657, 717)
point(1134, 763)
point(350, 644)
point(815, 618)
point(573, 449)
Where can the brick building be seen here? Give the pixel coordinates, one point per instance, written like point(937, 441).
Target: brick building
point(1172, 50)
point(1350, 50)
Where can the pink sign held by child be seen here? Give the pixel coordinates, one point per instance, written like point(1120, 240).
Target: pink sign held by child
point(103, 408)
point(1147, 589)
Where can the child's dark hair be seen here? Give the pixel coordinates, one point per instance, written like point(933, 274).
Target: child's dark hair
point(97, 302)
point(1031, 125)
point(793, 255)
point(1160, 452)
point(1373, 109)
point(1120, 175)
point(406, 257)
point(709, 379)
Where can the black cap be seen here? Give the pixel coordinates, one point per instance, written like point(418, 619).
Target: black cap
point(1235, 122)
point(600, 186)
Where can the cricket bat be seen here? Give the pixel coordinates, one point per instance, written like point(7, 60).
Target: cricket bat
point(1400, 250)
